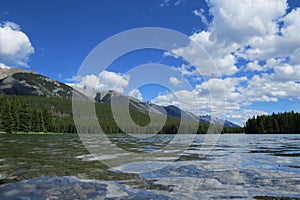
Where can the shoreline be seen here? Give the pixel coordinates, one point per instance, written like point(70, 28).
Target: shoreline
point(54, 133)
point(31, 133)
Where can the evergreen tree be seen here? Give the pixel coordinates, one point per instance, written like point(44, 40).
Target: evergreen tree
point(25, 119)
point(287, 122)
point(6, 114)
point(276, 126)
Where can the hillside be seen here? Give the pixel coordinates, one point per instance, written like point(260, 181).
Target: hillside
point(29, 83)
point(49, 114)
point(31, 96)
point(171, 110)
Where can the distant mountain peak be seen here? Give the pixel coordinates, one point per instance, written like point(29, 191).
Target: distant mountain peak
point(215, 120)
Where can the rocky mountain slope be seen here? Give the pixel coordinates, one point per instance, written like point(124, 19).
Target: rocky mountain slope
point(29, 83)
point(170, 110)
point(215, 120)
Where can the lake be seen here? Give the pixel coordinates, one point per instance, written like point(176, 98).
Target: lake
point(238, 166)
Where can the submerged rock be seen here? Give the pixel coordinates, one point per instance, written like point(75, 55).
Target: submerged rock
point(67, 187)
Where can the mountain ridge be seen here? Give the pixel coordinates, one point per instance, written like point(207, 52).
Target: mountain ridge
point(15, 81)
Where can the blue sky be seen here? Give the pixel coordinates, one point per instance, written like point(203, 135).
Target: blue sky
point(254, 45)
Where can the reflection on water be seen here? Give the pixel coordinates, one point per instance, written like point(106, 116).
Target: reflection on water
point(239, 166)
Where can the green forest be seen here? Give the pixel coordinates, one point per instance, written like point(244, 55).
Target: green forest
point(44, 114)
point(287, 122)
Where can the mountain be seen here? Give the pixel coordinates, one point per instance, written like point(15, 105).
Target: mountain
point(119, 98)
point(215, 120)
point(171, 110)
point(29, 83)
point(106, 97)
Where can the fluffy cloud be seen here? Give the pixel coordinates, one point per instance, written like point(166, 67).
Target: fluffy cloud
point(104, 81)
point(186, 70)
point(237, 21)
point(174, 81)
point(236, 26)
point(240, 92)
point(287, 72)
point(186, 100)
point(245, 29)
point(3, 66)
point(254, 66)
point(226, 64)
point(136, 94)
point(15, 46)
point(200, 13)
point(245, 114)
point(209, 57)
point(224, 92)
point(267, 88)
point(259, 38)
point(215, 95)
point(110, 80)
point(284, 44)
point(295, 58)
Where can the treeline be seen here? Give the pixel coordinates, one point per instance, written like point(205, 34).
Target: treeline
point(18, 115)
point(287, 122)
point(44, 114)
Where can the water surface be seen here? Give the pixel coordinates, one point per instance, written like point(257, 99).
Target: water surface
point(238, 167)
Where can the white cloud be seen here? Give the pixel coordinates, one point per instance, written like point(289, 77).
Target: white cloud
point(223, 91)
point(178, 2)
point(254, 66)
point(104, 81)
point(174, 81)
point(184, 99)
point(237, 21)
point(3, 66)
point(201, 13)
point(246, 29)
point(15, 46)
point(186, 70)
point(267, 88)
point(280, 45)
point(239, 92)
point(166, 3)
point(210, 58)
point(265, 34)
point(215, 95)
point(295, 58)
point(287, 72)
point(245, 114)
point(110, 80)
point(226, 64)
point(136, 94)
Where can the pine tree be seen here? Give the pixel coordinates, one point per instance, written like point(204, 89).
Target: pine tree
point(7, 120)
point(276, 126)
point(15, 113)
point(48, 120)
point(35, 120)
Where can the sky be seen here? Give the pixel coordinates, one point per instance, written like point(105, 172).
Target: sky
point(254, 44)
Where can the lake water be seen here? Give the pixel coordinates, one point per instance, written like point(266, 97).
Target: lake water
point(237, 167)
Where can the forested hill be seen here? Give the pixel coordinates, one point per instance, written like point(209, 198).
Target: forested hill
point(53, 114)
point(287, 122)
point(31, 102)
